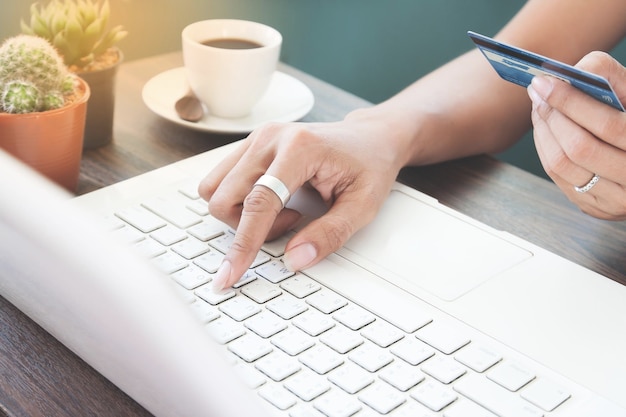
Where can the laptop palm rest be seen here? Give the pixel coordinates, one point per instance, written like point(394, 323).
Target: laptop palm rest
point(417, 243)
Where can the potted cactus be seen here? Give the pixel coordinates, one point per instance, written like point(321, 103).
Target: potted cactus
point(42, 109)
point(79, 30)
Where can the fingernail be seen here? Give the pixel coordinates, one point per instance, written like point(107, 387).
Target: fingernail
point(300, 256)
point(541, 86)
point(221, 277)
point(534, 97)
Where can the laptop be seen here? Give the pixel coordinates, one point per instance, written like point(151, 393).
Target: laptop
point(424, 312)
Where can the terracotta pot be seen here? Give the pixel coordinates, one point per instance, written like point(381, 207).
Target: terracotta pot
point(101, 109)
point(51, 142)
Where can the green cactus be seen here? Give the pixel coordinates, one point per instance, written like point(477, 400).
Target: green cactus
point(20, 97)
point(77, 28)
point(33, 76)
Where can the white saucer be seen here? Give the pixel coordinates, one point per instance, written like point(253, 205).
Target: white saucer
point(287, 99)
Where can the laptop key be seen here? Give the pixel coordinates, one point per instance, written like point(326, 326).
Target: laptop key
point(292, 341)
point(209, 261)
point(510, 375)
point(250, 347)
point(170, 262)
point(287, 306)
point(443, 368)
point(206, 293)
point(239, 308)
point(354, 317)
point(169, 235)
point(464, 408)
point(223, 242)
point(313, 322)
point(274, 271)
point(278, 396)
point(307, 385)
point(278, 365)
point(370, 357)
point(141, 218)
point(401, 375)
point(495, 398)
point(172, 211)
point(265, 324)
point(190, 248)
point(261, 291)
point(326, 301)
point(478, 358)
point(442, 337)
point(412, 350)
point(382, 333)
point(300, 286)
point(336, 403)
point(321, 359)
point(545, 394)
point(341, 339)
point(191, 277)
point(382, 397)
point(200, 207)
point(433, 395)
point(350, 378)
point(204, 311)
point(210, 228)
point(150, 248)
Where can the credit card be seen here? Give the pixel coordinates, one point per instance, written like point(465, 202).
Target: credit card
point(520, 66)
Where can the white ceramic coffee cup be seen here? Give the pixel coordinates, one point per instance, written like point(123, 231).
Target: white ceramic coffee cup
point(230, 81)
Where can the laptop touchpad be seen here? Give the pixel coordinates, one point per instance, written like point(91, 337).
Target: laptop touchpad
point(414, 242)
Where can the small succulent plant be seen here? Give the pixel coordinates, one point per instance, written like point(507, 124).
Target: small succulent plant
point(77, 28)
point(33, 76)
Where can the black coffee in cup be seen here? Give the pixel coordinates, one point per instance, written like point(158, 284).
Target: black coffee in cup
point(231, 43)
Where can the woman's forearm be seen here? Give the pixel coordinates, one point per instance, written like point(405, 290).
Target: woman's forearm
point(463, 108)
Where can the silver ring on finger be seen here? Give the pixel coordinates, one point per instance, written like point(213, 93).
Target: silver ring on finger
point(584, 188)
point(277, 186)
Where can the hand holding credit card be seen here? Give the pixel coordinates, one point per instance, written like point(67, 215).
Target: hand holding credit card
point(520, 66)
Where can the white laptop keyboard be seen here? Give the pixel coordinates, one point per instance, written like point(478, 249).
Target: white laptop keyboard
point(309, 351)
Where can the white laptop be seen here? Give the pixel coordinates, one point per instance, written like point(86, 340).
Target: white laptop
point(425, 312)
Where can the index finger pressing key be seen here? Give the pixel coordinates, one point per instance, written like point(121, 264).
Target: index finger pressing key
point(255, 223)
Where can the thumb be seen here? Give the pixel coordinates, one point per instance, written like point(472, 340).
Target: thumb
point(604, 65)
point(328, 233)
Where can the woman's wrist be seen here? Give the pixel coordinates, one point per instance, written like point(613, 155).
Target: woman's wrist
point(384, 127)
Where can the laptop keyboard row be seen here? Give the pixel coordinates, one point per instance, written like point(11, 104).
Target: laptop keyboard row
point(310, 351)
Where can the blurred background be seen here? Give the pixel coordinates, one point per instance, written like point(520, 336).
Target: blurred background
point(371, 48)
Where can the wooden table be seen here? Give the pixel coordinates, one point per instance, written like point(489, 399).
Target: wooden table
point(40, 377)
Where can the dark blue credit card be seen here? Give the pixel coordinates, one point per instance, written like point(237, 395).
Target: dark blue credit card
point(520, 66)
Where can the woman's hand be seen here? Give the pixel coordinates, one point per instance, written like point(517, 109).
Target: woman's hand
point(349, 163)
point(582, 142)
